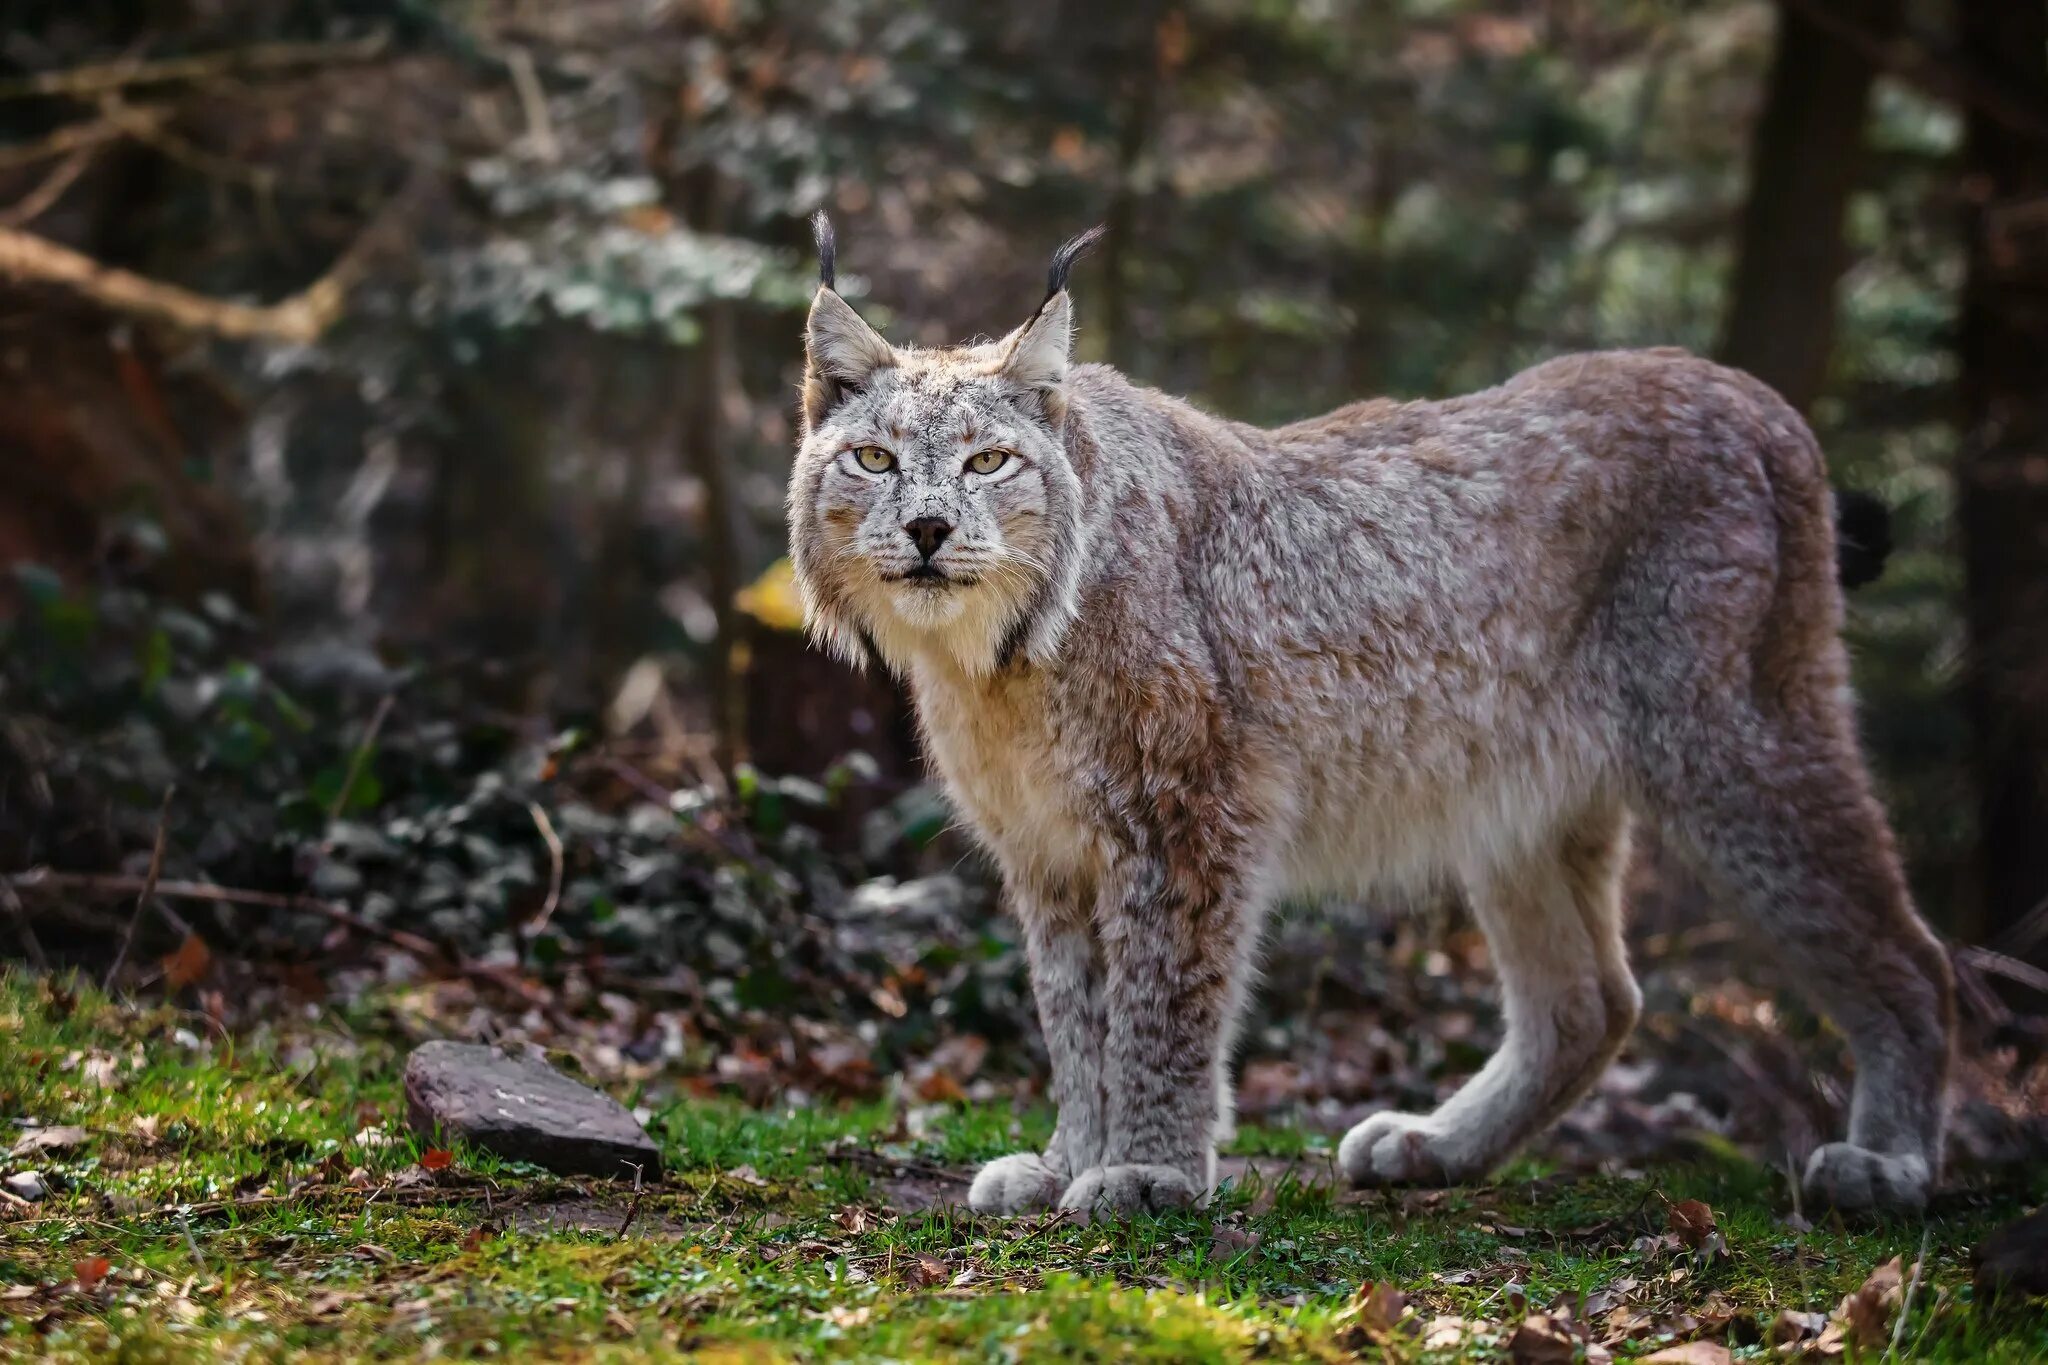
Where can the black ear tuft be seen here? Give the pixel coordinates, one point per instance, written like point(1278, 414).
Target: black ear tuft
point(828, 250)
point(1071, 250)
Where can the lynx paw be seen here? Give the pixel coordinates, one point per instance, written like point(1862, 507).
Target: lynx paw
point(1845, 1176)
point(1015, 1184)
point(1401, 1149)
point(1124, 1190)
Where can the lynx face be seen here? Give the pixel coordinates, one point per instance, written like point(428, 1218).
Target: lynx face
point(933, 505)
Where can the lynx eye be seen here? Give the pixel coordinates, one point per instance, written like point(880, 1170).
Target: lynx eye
point(988, 461)
point(874, 459)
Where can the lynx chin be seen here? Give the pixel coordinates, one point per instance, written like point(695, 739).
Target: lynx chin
point(1173, 667)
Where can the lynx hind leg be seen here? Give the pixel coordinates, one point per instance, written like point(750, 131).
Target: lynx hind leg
point(1553, 926)
point(1779, 818)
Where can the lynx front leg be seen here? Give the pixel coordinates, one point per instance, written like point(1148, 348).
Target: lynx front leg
point(1065, 981)
point(1553, 926)
point(1171, 951)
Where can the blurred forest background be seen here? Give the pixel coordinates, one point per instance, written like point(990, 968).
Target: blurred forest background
point(396, 398)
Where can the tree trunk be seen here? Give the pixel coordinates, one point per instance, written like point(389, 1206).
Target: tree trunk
point(2003, 468)
point(1805, 156)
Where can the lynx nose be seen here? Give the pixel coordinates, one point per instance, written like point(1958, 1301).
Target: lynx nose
point(929, 533)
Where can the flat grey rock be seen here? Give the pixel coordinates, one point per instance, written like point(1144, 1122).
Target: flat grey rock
point(523, 1110)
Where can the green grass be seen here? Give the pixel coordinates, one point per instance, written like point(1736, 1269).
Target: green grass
point(773, 1236)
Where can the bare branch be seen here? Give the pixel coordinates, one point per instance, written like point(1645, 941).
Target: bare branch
point(1945, 75)
point(73, 136)
point(43, 197)
point(102, 77)
point(302, 318)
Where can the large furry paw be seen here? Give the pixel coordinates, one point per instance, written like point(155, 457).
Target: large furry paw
point(1016, 1183)
point(1401, 1149)
point(1115, 1191)
point(1844, 1176)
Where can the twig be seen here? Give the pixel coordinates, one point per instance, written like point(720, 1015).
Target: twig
point(2011, 968)
point(101, 77)
point(30, 946)
point(147, 890)
point(106, 884)
point(554, 843)
point(638, 781)
point(1912, 1287)
point(533, 103)
point(361, 756)
point(1946, 75)
point(39, 200)
point(632, 1209)
point(72, 136)
point(191, 1242)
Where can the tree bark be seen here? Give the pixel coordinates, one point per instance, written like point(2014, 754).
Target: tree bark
point(2003, 470)
point(1805, 157)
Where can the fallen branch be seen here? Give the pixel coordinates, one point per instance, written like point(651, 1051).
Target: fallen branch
point(101, 77)
point(95, 883)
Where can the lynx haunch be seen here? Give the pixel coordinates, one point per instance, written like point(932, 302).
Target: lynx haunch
point(1172, 667)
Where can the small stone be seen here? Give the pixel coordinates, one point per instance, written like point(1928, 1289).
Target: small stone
point(523, 1110)
point(27, 1185)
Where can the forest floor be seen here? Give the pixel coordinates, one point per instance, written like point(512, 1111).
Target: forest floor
point(256, 1196)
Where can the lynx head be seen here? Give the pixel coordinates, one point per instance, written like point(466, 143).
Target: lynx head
point(933, 510)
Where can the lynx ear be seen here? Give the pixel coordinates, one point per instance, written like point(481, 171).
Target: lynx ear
point(1036, 355)
point(841, 352)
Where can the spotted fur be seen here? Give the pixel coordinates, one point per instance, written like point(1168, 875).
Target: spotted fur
point(1171, 666)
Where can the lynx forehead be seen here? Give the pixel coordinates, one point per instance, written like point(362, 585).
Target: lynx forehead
point(1170, 667)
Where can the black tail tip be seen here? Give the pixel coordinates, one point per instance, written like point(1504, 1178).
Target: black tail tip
point(1863, 537)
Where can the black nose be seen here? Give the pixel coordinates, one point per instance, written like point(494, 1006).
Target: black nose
point(929, 533)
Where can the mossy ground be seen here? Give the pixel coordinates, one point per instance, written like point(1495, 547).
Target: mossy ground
point(243, 1213)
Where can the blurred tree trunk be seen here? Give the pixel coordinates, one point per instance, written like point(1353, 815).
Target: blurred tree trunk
point(1805, 157)
point(708, 379)
point(2003, 465)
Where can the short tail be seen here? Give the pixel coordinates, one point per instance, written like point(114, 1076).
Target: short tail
point(1863, 537)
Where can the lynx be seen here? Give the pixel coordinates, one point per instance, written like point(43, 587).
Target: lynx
point(1172, 667)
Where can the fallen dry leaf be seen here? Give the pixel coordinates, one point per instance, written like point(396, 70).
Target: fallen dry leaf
point(187, 963)
point(1693, 1222)
point(925, 1271)
point(1866, 1313)
point(1227, 1241)
point(59, 1139)
point(90, 1271)
point(855, 1219)
point(1691, 1353)
point(1380, 1307)
point(1791, 1327)
point(1547, 1339)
